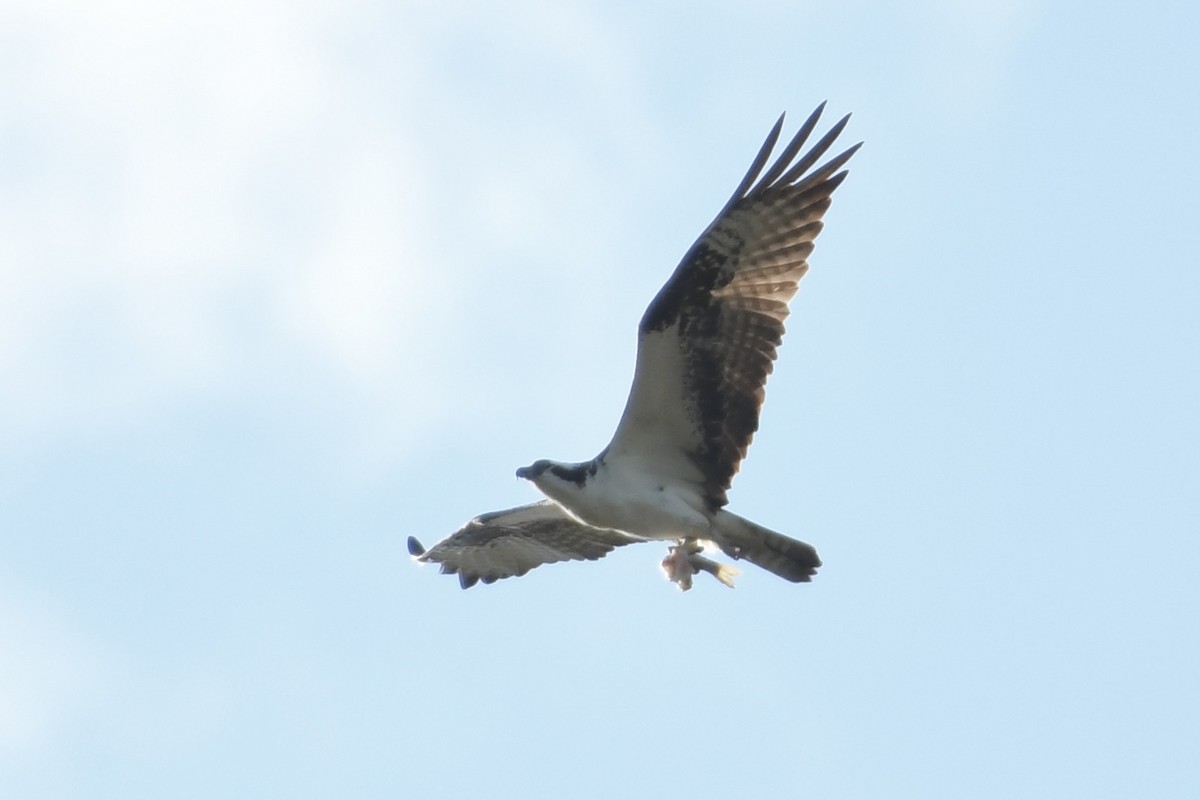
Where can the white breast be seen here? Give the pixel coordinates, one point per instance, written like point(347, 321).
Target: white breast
point(643, 505)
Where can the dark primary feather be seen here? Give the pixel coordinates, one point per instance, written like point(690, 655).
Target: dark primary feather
point(726, 303)
point(508, 543)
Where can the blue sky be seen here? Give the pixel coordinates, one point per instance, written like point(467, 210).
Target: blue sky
point(280, 286)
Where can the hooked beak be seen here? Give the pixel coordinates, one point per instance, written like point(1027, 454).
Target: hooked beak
point(524, 472)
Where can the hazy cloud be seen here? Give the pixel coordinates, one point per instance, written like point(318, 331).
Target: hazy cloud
point(201, 195)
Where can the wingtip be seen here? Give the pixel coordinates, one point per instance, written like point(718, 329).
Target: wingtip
point(415, 548)
point(773, 135)
point(814, 117)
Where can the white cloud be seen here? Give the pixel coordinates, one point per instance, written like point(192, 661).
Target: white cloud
point(196, 193)
point(174, 164)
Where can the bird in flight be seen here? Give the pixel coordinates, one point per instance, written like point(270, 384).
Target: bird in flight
point(706, 345)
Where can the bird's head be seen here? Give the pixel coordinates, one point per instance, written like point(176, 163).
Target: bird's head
point(557, 480)
point(534, 470)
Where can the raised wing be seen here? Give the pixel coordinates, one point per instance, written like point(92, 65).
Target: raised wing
point(708, 341)
point(503, 544)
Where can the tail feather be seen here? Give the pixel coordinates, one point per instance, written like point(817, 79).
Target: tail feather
point(788, 558)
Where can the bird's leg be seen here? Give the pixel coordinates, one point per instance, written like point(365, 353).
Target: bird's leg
point(684, 560)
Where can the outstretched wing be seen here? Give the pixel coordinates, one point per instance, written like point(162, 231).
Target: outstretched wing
point(708, 340)
point(512, 542)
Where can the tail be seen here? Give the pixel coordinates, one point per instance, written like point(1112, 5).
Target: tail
point(786, 557)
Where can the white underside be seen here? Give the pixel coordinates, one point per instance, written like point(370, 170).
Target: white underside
point(629, 500)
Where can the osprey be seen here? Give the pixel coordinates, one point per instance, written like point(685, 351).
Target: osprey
point(706, 345)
